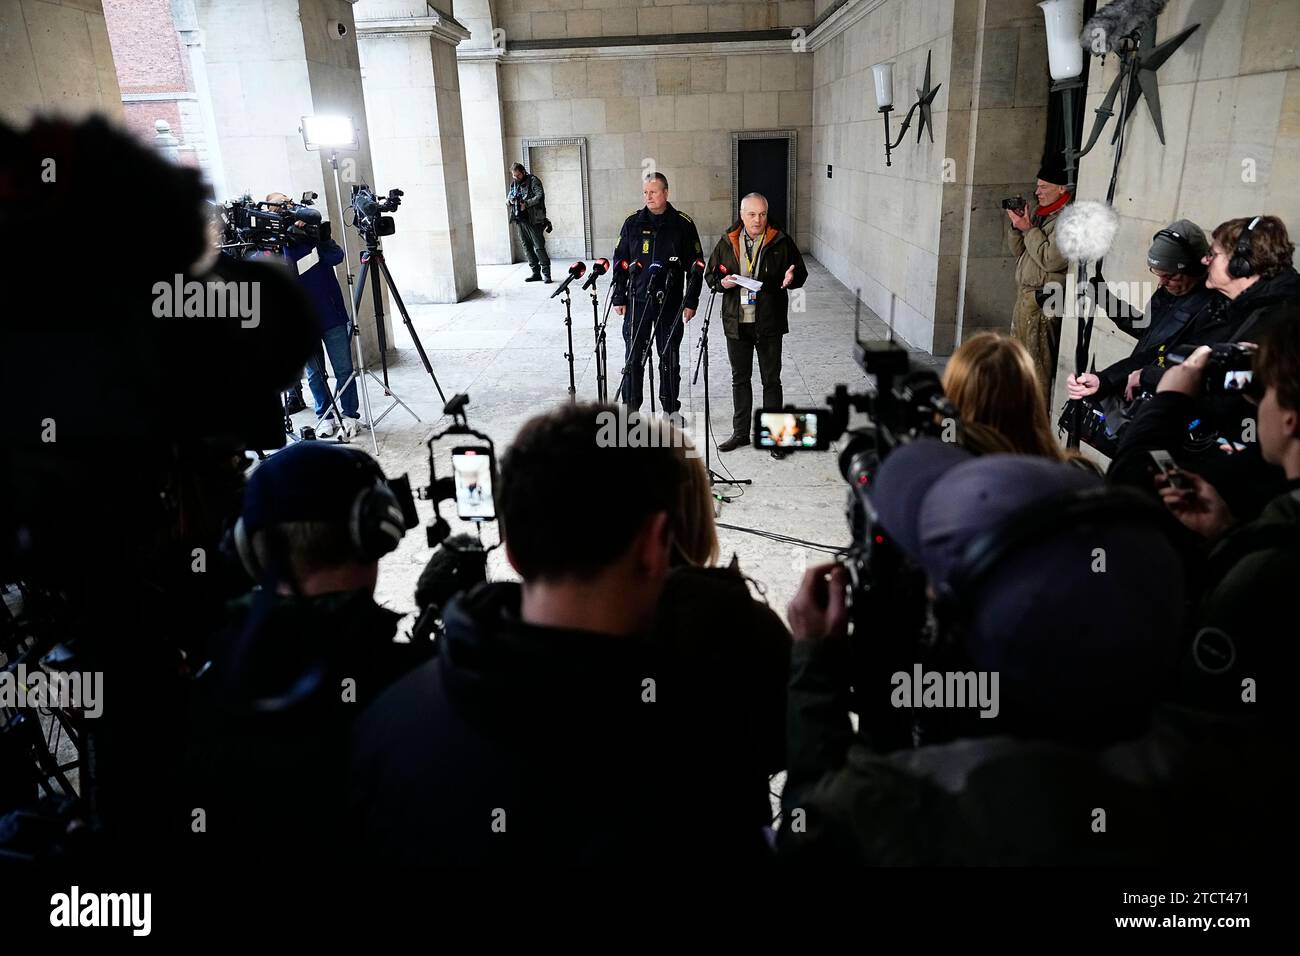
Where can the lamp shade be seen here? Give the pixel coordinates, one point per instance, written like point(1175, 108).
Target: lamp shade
point(884, 73)
point(1064, 24)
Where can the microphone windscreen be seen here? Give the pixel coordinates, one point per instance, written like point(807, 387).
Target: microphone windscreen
point(577, 269)
point(1103, 31)
point(600, 266)
point(1085, 230)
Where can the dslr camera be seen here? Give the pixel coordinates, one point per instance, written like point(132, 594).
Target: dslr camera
point(1015, 204)
point(1227, 370)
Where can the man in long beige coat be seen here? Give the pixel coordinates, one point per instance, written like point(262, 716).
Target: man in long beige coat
point(1040, 275)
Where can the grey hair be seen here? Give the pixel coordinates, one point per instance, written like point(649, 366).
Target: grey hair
point(755, 196)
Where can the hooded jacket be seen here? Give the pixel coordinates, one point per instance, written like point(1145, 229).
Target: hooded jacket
point(772, 303)
point(524, 744)
point(1248, 312)
point(270, 717)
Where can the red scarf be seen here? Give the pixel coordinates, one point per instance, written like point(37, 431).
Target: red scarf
point(1053, 207)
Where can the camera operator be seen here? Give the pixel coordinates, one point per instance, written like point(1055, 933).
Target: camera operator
point(313, 263)
point(1040, 273)
point(526, 200)
point(300, 656)
point(551, 728)
point(1251, 568)
point(1183, 311)
point(1082, 659)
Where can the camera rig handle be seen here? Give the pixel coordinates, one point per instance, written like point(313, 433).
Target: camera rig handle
point(441, 489)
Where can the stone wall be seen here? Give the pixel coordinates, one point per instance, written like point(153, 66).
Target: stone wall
point(527, 20)
point(1231, 105)
point(658, 108)
point(55, 56)
point(925, 239)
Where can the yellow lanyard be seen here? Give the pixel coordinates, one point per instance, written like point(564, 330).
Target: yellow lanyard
point(752, 257)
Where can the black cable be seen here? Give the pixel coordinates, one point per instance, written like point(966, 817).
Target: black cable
point(785, 538)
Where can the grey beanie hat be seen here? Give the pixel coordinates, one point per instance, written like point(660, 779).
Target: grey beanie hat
point(1169, 254)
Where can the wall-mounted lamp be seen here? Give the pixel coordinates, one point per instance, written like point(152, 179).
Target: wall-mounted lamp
point(884, 77)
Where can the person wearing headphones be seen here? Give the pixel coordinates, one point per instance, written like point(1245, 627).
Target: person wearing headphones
point(1251, 262)
point(1183, 311)
point(301, 655)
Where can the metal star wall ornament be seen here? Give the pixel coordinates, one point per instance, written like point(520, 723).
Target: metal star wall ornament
point(1147, 85)
point(924, 98)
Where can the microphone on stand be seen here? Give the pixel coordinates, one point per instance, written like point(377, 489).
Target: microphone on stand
point(598, 269)
point(576, 271)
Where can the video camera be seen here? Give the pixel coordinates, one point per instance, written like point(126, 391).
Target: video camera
point(368, 211)
point(887, 593)
point(1015, 204)
point(247, 224)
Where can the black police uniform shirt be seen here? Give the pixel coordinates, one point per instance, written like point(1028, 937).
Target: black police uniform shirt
point(647, 238)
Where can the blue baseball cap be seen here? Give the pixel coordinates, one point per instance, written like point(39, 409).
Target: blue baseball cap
point(308, 481)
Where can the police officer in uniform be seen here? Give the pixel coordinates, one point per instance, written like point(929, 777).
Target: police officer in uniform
point(657, 233)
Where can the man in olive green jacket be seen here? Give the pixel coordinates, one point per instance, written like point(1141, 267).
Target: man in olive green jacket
point(1040, 275)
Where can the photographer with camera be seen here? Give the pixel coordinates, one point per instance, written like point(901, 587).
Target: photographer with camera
point(551, 728)
point(300, 656)
point(1040, 271)
point(1009, 548)
point(313, 261)
point(526, 200)
point(1250, 568)
point(1183, 311)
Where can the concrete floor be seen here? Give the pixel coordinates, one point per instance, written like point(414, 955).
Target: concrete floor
point(505, 347)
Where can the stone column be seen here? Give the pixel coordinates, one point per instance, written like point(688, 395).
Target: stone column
point(270, 63)
point(997, 124)
point(412, 90)
point(187, 27)
point(55, 57)
point(479, 62)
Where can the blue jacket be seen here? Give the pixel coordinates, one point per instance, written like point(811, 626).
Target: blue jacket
point(319, 281)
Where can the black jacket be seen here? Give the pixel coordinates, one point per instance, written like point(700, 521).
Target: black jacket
point(272, 780)
point(1249, 313)
point(772, 304)
point(1012, 801)
point(647, 239)
point(522, 744)
point(1171, 321)
point(1244, 627)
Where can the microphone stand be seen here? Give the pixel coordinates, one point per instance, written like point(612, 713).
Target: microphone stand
point(568, 328)
point(703, 360)
point(602, 359)
point(636, 335)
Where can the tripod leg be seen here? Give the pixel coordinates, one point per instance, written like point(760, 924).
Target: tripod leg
point(410, 327)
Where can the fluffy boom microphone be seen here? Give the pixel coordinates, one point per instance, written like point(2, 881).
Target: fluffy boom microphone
point(1116, 20)
point(1086, 230)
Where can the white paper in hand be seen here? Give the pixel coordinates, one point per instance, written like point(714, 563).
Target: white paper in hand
point(307, 261)
point(747, 282)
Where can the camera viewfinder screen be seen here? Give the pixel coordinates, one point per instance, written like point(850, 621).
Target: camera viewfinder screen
point(472, 470)
point(1236, 381)
point(787, 430)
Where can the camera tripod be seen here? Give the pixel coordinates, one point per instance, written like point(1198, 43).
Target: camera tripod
point(373, 255)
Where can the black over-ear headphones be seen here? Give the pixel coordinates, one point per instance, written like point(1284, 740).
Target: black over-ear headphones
point(1240, 266)
point(377, 520)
